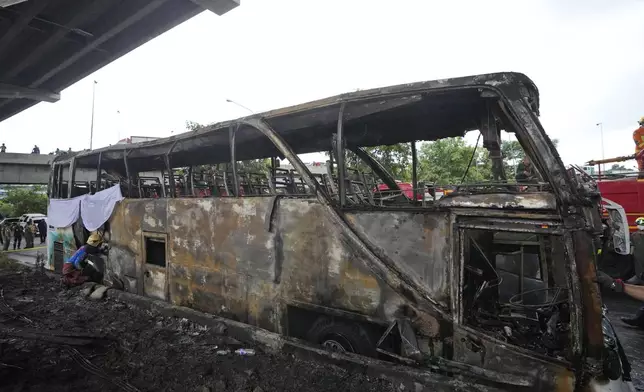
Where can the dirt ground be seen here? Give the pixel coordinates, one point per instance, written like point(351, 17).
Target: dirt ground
point(141, 350)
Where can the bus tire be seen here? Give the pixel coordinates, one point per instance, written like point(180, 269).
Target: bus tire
point(340, 336)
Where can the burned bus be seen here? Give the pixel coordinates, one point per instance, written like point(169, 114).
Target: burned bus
point(493, 283)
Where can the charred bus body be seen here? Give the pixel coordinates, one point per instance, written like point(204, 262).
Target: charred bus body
point(493, 283)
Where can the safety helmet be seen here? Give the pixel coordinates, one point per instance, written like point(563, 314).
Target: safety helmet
point(641, 121)
point(639, 221)
point(96, 238)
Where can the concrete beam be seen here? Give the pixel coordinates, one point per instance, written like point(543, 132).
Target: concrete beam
point(219, 7)
point(10, 91)
point(33, 169)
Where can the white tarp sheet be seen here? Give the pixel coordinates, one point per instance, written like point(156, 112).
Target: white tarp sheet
point(96, 209)
point(63, 212)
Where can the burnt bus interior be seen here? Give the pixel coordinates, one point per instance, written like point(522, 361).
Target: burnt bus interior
point(515, 290)
point(512, 287)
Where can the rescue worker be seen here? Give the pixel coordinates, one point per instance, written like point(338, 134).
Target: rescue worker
point(35, 150)
point(633, 291)
point(637, 253)
point(30, 230)
point(525, 171)
point(74, 272)
point(17, 235)
point(7, 233)
point(638, 138)
point(3, 148)
point(42, 230)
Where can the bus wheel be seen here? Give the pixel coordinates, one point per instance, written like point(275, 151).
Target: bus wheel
point(338, 336)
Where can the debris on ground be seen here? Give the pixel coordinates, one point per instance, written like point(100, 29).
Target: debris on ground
point(98, 293)
point(123, 348)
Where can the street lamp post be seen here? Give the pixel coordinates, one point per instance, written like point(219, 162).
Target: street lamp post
point(91, 128)
point(240, 105)
point(601, 133)
point(118, 124)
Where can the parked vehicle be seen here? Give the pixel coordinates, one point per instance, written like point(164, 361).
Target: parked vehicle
point(24, 218)
point(490, 287)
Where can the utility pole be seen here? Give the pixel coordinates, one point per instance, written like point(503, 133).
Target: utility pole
point(601, 133)
point(91, 129)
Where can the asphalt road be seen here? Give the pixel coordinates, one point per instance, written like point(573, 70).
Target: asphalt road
point(632, 339)
point(27, 256)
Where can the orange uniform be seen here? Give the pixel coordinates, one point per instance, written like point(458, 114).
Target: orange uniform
point(638, 138)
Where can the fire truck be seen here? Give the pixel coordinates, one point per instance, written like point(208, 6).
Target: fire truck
point(622, 203)
point(624, 188)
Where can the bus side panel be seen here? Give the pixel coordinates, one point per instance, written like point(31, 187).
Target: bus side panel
point(222, 258)
point(322, 267)
point(125, 240)
point(418, 243)
point(247, 258)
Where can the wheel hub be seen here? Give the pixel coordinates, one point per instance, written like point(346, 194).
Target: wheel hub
point(334, 345)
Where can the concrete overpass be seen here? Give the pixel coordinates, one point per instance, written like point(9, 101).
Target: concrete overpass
point(32, 169)
point(48, 45)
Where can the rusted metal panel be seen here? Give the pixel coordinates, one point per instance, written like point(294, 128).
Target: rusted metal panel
point(221, 258)
point(321, 266)
point(516, 367)
point(419, 243)
point(154, 282)
point(124, 258)
point(526, 201)
point(155, 217)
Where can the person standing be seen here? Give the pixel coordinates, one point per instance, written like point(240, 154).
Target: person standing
point(7, 233)
point(631, 290)
point(3, 148)
point(29, 234)
point(637, 252)
point(42, 230)
point(525, 171)
point(17, 235)
point(638, 138)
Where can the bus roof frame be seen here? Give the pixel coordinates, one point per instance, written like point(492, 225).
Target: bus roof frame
point(372, 117)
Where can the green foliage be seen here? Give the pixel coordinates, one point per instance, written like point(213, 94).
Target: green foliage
point(395, 158)
point(254, 166)
point(193, 126)
point(6, 209)
point(26, 200)
point(445, 162)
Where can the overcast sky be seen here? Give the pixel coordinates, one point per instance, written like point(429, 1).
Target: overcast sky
point(586, 57)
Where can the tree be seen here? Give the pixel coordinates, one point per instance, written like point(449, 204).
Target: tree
point(26, 200)
point(617, 167)
point(395, 158)
point(445, 161)
point(6, 209)
point(194, 126)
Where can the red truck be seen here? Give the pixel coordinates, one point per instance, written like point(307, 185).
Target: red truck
point(627, 192)
point(623, 202)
